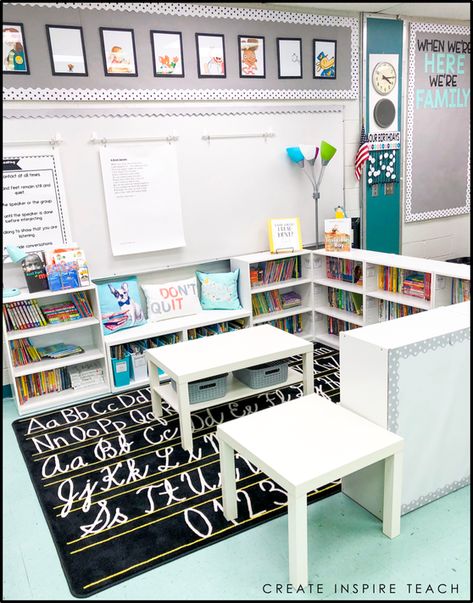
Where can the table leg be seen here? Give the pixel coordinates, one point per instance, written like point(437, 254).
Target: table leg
point(297, 526)
point(227, 474)
point(392, 495)
point(308, 369)
point(185, 422)
point(156, 401)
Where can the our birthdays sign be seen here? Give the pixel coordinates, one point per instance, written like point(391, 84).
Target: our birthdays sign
point(438, 117)
point(284, 235)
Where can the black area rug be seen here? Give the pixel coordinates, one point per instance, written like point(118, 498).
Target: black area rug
point(121, 496)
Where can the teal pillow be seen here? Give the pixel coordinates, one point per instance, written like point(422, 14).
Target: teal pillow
point(219, 291)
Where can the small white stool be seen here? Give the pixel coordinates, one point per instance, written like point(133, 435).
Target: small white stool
point(302, 445)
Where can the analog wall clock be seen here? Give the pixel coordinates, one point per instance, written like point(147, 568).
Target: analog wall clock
point(384, 77)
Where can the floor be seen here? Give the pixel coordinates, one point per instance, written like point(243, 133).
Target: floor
point(348, 553)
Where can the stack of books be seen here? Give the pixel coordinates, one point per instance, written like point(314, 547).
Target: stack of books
point(85, 375)
point(23, 352)
point(59, 350)
point(60, 312)
point(21, 315)
point(417, 285)
point(81, 303)
point(291, 299)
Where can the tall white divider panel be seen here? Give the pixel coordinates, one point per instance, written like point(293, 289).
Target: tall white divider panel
point(411, 375)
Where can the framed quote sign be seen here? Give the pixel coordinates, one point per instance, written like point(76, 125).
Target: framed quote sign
point(284, 235)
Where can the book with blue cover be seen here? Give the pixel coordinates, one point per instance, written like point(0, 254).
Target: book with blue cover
point(59, 350)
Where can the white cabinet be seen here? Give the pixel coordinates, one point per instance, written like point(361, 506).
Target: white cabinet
point(411, 376)
point(39, 385)
point(266, 278)
point(360, 287)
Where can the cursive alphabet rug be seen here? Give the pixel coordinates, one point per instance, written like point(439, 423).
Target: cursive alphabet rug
point(121, 496)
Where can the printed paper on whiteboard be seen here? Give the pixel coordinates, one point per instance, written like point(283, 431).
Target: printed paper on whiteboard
point(34, 206)
point(141, 187)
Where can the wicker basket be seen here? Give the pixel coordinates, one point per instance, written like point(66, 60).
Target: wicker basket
point(206, 389)
point(263, 375)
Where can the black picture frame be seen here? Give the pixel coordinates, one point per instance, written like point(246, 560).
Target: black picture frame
point(199, 71)
point(51, 53)
point(153, 50)
point(19, 26)
point(102, 30)
point(240, 63)
point(315, 55)
point(278, 47)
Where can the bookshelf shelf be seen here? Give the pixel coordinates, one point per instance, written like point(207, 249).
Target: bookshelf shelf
point(401, 298)
point(341, 314)
point(336, 284)
point(29, 381)
point(279, 285)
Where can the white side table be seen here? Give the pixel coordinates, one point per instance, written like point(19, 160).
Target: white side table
point(302, 445)
point(210, 356)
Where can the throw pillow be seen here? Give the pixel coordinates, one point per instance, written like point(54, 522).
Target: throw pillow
point(219, 291)
point(120, 305)
point(168, 300)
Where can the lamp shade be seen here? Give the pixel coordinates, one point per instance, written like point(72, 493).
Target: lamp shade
point(16, 254)
point(310, 151)
point(326, 152)
point(295, 154)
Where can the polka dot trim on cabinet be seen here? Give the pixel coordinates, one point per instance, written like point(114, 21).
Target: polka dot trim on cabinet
point(415, 27)
point(423, 500)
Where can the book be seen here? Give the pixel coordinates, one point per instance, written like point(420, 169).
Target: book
point(59, 350)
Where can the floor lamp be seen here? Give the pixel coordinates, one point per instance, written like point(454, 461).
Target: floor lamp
point(305, 156)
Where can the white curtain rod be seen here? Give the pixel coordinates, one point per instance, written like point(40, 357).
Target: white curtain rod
point(56, 139)
point(264, 135)
point(103, 139)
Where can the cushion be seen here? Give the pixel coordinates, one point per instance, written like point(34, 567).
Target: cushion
point(219, 291)
point(168, 300)
point(120, 305)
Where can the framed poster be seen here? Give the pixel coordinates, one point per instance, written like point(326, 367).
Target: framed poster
point(168, 58)
point(118, 51)
point(66, 50)
point(251, 54)
point(325, 59)
point(210, 55)
point(284, 234)
point(14, 49)
point(289, 58)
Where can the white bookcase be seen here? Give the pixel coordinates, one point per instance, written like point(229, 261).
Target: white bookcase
point(442, 277)
point(84, 332)
point(182, 326)
point(411, 376)
point(300, 282)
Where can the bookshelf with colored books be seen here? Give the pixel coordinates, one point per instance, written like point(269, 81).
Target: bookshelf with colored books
point(361, 287)
point(277, 289)
point(52, 339)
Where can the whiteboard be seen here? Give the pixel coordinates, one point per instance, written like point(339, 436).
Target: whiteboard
point(230, 187)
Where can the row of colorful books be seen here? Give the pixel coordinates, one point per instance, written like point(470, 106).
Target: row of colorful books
point(408, 282)
point(39, 384)
point(342, 269)
point(221, 327)
point(345, 300)
point(138, 347)
point(460, 290)
point(387, 310)
point(274, 271)
point(24, 352)
point(28, 314)
point(290, 324)
point(335, 326)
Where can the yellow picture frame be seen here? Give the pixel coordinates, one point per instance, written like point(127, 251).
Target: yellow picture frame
point(284, 235)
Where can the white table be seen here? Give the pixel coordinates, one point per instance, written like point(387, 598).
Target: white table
point(302, 445)
point(210, 356)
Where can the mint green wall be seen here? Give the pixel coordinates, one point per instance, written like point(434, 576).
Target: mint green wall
point(383, 213)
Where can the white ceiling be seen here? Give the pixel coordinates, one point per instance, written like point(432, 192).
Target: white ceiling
point(438, 10)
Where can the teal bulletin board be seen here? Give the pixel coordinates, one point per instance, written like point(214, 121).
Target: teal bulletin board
point(383, 212)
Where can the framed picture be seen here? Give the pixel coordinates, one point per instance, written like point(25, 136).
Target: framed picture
point(252, 59)
point(289, 58)
point(14, 55)
point(168, 58)
point(66, 50)
point(118, 51)
point(325, 59)
point(284, 234)
point(210, 55)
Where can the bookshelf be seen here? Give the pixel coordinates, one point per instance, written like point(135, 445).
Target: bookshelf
point(389, 286)
point(269, 281)
point(45, 383)
point(181, 328)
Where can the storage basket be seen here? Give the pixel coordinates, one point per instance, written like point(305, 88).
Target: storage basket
point(206, 389)
point(263, 375)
